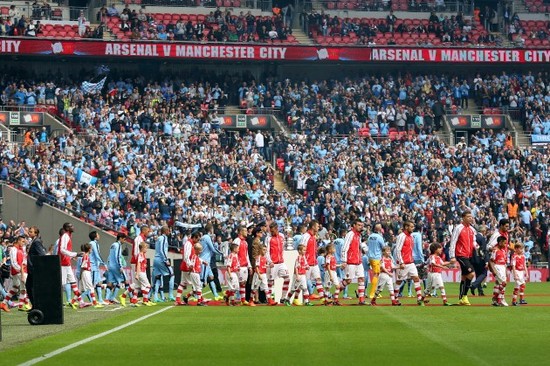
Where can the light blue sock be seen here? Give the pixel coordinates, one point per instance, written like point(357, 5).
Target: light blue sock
point(213, 288)
point(157, 287)
point(68, 292)
point(99, 294)
point(114, 293)
point(171, 288)
point(345, 292)
point(108, 293)
point(86, 293)
point(310, 287)
point(3, 292)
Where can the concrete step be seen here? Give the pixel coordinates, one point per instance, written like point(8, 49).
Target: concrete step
point(279, 183)
point(301, 36)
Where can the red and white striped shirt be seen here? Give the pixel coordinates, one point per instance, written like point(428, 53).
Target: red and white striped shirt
point(17, 256)
point(187, 252)
point(141, 262)
point(233, 262)
point(310, 242)
point(65, 249)
point(387, 263)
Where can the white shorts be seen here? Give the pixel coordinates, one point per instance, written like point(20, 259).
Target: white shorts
point(259, 281)
point(385, 279)
point(300, 283)
point(409, 271)
point(67, 275)
point(195, 281)
point(279, 270)
point(17, 281)
point(519, 278)
point(499, 272)
point(185, 278)
point(354, 271)
point(243, 274)
point(141, 281)
point(313, 273)
point(435, 281)
point(331, 278)
point(233, 281)
point(86, 281)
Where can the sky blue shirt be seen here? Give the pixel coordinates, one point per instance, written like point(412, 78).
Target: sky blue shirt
point(161, 248)
point(375, 243)
point(115, 257)
point(95, 257)
point(208, 248)
point(418, 254)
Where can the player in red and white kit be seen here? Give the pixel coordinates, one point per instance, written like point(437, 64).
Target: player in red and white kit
point(195, 275)
point(244, 262)
point(435, 266)
point(519, 271)
point(309, 241)
point(64, 250)
point(259, 281)
point(385, 278)
point(404, 258)
point(499, 261)
point(353, 259)
point(86, 283)
point(17, 256)
point(301, 268)
point(461, 250)
point(186, 266)
point(331, 277)
point(275, 244)
point(232, 264)
point(132, 290)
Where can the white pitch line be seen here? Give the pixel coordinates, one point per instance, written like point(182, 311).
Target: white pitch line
point(89, 339)
point(416, 326)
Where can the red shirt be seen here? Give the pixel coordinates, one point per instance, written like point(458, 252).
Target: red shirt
point(233, 262)
point(142, 262)
point(311, 248)
point(86, 264)
point(500, 256)
point(464, 240)
point(261, 264)
point(407, 249)
point(301, 265)
point(65, 259)
point(387, 263)
point(197, 265)
point(276, 248)
point(331, 262)
point(187, 251)
point(19, 258)
point(135, 248)
point(435, 259)
point(243, 252)
point(352, 248)
point(518, 262)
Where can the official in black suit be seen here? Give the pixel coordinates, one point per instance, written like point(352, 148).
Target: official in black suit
point(36, 249)
point(480, 261)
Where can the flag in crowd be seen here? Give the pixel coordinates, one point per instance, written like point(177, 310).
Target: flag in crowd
point(93, 88)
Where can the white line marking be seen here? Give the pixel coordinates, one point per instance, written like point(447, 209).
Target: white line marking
point(417, 326)
point(114, 309)
point(89, 339)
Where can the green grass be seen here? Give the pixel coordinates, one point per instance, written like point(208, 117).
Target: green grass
point(409, 335)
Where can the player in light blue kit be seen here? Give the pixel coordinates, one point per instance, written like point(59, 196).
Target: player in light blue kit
point(115, 270)
point(338, 244)
point(162, 267)
point(208, 255)
point(96, 262)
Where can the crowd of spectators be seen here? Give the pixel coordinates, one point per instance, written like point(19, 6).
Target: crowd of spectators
point(159, 157)
point(451, 30)
point(218, 26)
point(525, 95)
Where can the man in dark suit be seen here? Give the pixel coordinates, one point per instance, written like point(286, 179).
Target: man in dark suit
point(36, 249)
point(480, 260)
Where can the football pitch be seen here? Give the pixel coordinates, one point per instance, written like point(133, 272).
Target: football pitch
point(408, 335)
